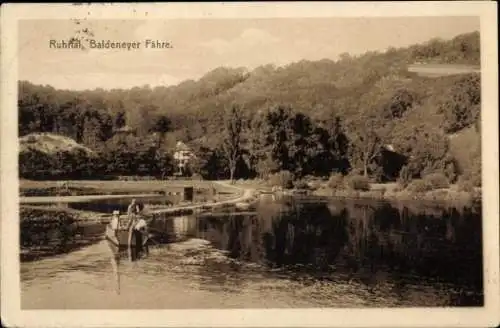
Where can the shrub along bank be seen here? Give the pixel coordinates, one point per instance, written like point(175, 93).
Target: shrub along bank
point(51, 231)
point(432, 187)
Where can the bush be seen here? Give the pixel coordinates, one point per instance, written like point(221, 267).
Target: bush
point(465, 184)
point(39, 227)
point(284, 179)
point(476, 180)
point(336, 181)
point(404, 176)
point(419, 185)
point(399, 187)
point(314, 185)
point(437, 181)
point(196, 177)
point(473, 176)
point(301, 184)
point(358, 182)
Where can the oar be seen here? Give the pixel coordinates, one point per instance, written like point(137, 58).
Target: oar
point(130, 234)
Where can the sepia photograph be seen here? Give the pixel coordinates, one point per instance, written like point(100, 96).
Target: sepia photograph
point(241, 162)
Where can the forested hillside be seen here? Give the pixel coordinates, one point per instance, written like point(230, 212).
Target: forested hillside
point(310, 118)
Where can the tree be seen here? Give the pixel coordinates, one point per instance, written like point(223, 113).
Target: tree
point(461, 104)
point(161, 125)
point(426, 148)
point(120, 120)
point(277, 132)
point(366, 144)
point(400, 102)
point(209, 162)
point(338, 144)
point(258, 157)
point(232, 136)
point(300, 145)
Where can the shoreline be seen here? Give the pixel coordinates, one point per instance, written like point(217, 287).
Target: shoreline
point(446, 196)
point(378, 192)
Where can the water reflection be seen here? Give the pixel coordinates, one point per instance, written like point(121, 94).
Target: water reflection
point(373, 243)
point(115, 257)
point(172, 229)
point(304, 252)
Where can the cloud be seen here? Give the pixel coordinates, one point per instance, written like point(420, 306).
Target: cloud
point(255, 36)
point(249, 38)
point(150, 30)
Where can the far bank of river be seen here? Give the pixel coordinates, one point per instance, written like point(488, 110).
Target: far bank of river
point(445, 195)
point(390, 192)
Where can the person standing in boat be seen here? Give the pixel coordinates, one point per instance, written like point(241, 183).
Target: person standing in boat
point(133, 208)
point(141, 230)
point(132, 211)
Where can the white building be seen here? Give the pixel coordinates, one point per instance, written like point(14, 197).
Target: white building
point(182, 155)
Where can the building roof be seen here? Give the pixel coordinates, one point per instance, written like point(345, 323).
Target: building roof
point(389, 148)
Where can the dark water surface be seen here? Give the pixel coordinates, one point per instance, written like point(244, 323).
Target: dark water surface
point(286, 253)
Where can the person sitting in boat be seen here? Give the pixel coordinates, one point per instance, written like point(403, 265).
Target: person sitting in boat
point(115, 224)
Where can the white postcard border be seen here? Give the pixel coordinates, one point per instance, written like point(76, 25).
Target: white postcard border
point(12, 315)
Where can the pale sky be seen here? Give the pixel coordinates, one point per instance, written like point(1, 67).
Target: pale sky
point(200, 45)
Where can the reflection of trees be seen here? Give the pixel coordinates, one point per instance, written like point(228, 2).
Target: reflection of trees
point(162, 228)
point(445, 245)
point(369, 240)
point(253, 245)
point(306, 235)
point(242, 237)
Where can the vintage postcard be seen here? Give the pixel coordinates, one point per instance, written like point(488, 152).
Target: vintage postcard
point(250, 164)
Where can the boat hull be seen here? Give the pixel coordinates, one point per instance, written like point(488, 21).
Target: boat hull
point(121, 238)
point(132, 241)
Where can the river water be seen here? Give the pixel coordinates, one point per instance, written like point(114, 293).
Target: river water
point(285, 253)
